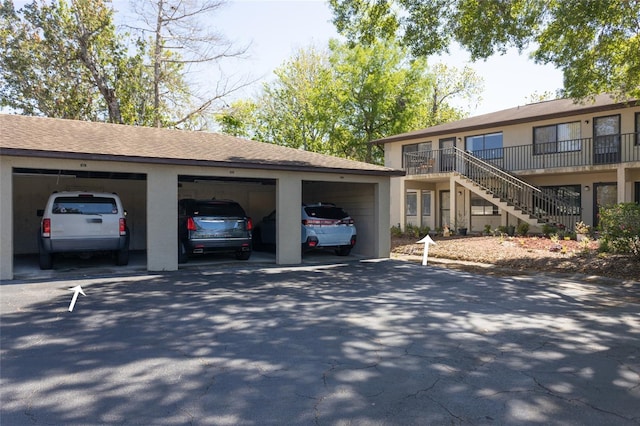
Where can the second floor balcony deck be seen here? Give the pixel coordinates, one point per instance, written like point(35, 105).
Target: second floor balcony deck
point(604, 150)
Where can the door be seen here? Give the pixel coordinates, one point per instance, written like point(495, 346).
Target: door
point(445, 211)
point(604, 194)
point(447, 154)
point(606, 139)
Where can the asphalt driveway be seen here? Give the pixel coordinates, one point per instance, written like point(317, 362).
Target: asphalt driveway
point(358, 343)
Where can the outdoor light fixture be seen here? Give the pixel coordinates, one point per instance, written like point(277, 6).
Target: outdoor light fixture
point(586, 187)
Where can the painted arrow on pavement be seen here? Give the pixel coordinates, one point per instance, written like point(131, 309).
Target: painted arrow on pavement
point(77, 289)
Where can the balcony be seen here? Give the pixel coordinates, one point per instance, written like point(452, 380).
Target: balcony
point(612, 149)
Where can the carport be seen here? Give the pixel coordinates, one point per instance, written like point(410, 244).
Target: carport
point(152, 168)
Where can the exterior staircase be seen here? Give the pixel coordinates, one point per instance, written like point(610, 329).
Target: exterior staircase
point(512, 194)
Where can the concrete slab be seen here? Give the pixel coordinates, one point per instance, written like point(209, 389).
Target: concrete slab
point(360, 342)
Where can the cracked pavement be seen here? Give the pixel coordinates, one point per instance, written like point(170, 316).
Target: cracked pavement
point(359, 343)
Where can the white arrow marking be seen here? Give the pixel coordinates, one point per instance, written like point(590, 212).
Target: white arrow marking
point(77, 289)
point(427, 241)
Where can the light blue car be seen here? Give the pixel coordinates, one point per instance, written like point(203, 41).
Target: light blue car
point(323, 225)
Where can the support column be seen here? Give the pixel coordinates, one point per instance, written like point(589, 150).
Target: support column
point(6, 220)
point(288, 220)
point(382, 217)
point(162, 220)
point(453, 198)
point(625, 189)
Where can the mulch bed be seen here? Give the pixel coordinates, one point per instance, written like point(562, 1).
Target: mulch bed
point(530, 254)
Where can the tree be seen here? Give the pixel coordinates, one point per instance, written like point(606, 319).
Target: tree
point(338, 101)
point(451, 83)
point(594, 42)
point(180, 40)
point(380, 92)
point(65, 60)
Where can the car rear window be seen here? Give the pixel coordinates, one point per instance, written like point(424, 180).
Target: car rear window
point(325, 212)
point(218, 209)
point(84, 205)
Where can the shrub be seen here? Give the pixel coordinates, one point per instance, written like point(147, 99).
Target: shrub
point(487, 229)
point(523, 229)
point(620, 228)
point(549, 228)
point(411, 231)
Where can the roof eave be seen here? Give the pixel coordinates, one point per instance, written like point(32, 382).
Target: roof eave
point(17, 152)
point(561, 114)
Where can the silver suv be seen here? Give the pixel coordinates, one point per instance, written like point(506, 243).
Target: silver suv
point(83, 223)
point(206, 226)
point(323, 225)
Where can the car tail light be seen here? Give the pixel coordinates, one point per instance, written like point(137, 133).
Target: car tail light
point(191, 225)
point(353, 241)
point(46, 227)
point(346, 221)
point(123, 226)
point(249, 224)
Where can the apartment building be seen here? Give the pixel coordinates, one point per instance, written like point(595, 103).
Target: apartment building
point(549, 162)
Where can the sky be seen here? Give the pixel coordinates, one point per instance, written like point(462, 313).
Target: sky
point(275, 29)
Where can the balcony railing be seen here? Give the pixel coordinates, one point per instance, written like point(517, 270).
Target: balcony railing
point(611, 149)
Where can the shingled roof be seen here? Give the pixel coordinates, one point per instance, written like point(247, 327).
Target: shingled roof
point(522, 114)
point(58, 138)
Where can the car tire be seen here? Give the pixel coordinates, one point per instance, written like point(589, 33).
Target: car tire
point(256, 238)
point(45, 259)
point(243, 255)
point(182, 253)
point(343, 250)
point(122, 257)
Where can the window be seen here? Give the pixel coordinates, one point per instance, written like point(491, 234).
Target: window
point(637, 128)
point(413, 148)
point(563, 137)
point(570, 194)
point(84, 205)
point(426, 203)
point(482, 207)
point(411, 208)
point(487, 146)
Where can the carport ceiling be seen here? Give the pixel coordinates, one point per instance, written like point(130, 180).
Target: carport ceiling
point(81, 174)
point(205, 179)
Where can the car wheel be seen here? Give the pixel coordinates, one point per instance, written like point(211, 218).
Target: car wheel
point(45, 260)
point(343, 251)
point(243, 255)
point(122, 257)
point(182, 253)
point(256, 238)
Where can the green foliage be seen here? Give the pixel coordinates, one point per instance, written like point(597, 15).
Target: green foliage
point(396, 231)
point(594, 43)
point(487, 229)
point(66, 61)
point(619, 227)
point(548, 229)
point(410, 231)
point(337, 101)
point(522, 229)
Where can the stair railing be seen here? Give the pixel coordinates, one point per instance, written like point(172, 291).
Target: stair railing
point(532, 201)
